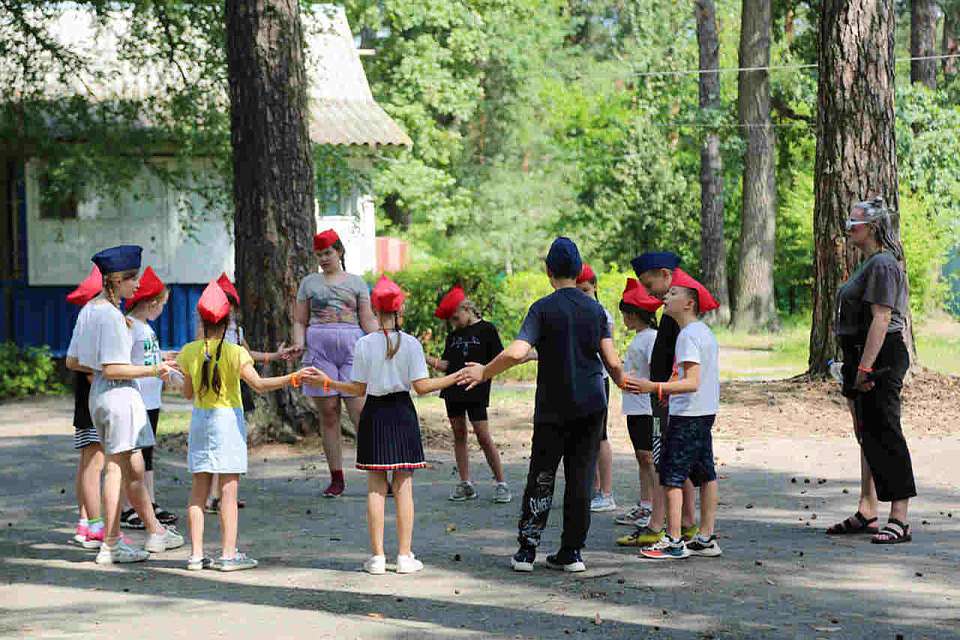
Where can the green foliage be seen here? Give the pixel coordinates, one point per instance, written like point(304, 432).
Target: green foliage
point(28, 371)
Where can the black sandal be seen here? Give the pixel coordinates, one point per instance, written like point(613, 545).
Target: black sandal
point(855, 524)
point(894, 532)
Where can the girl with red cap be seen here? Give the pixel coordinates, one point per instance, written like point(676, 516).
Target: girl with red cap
point(639, 314)
point(143, 307)
point(332, 312)
point(101, 345)
point(472, 340)
point(603, 479)
point(386, 366)
point(89, 533)
point(212, 370)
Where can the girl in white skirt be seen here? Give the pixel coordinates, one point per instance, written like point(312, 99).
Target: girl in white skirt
point(386, 365)
point(212, 369)
point(101, 345)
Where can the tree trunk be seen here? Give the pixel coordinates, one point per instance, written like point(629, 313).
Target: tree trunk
point(273, 184)
point(754, 304)
point(950, 45)
point(713, 254)
point(923, 42)
point(856, 148)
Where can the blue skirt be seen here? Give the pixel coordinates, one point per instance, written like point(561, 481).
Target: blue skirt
point(388, 437)
point(217, 442)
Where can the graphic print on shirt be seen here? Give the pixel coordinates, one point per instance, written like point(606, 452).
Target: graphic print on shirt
point(464, 343)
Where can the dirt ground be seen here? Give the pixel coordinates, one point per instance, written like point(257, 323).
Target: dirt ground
point(788, 468)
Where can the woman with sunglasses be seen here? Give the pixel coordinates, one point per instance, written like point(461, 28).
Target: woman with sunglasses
point(871, 317)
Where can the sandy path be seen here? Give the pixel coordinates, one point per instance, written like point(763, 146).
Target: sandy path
point(780, 576)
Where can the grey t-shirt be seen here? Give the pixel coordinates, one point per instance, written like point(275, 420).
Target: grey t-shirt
point(338, 302)
point(879, 280)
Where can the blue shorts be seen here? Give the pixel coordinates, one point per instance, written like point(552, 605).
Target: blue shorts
point(687, 451)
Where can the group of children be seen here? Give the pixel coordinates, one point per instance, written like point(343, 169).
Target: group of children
point(669, 419)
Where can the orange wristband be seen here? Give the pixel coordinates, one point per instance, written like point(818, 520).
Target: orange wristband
point(326, 385)
point(295, 380)
point(864, 369)
point(266, 358)
point(660, 392)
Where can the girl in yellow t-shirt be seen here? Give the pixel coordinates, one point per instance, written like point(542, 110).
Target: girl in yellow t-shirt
point(212, 369)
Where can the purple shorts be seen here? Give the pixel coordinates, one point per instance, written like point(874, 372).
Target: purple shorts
point(330, 349)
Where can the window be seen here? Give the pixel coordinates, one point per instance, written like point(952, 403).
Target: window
point(329, 202)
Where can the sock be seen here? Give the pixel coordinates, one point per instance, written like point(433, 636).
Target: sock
point(646, 504)
point(336, 477)
point(83, 522)
point(95, 525)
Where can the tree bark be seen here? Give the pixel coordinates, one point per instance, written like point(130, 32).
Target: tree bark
point(950, 45)
point(856, 148)
point(923, 42)
point(273, 183)
point(713, 253)
point(754, 303)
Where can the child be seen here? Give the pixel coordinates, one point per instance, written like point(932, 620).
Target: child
point(694, 402)
point(639, 309)
point(386, 365)
point(101, 345)
point(603, 480)
point(568, 330)
point(144, 307)
point(212, 370)
point(89, 532)
point(472, 340)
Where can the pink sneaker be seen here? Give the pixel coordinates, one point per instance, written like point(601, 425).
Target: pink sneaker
point(93, 540)
point(81, 534)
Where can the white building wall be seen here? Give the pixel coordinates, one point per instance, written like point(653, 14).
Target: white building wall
point(357, 231)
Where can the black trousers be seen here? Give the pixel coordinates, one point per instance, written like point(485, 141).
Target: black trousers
point(576, 442)
point(878, 418)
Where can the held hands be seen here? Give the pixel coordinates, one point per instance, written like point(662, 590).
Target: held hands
point(470, 376)
point(166, 368)
point(312, 376)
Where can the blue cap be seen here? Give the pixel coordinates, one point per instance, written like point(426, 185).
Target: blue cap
point(655, 260)
point(125, 257)
point(563, 259)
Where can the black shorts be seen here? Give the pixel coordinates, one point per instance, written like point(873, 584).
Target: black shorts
point(641, 432)
point(476, 412)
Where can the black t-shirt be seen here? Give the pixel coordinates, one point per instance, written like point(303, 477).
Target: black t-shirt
point(566, 328)
point(664, 349)
point(479, 342)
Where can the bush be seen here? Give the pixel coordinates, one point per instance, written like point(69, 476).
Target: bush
point(27, 371)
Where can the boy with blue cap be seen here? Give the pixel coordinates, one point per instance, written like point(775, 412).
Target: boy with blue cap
point(568, 330)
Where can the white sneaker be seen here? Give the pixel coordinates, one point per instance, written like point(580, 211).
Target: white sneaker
point(408, 564)
point(603, 502)
point(376, 565)
point(501, 493)
point(160, 542)
point(120, 553)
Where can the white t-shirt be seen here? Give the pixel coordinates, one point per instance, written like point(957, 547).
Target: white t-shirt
point(637, 364)
point(697, 344)
point(100, 337)
point(383, 376)
point(146, 351)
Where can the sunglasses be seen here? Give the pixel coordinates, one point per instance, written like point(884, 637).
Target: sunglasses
point(850, 224)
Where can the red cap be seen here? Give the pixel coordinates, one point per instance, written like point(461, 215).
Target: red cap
point(213, 305)
point(449, 303)
point(705, 301)
point(635, 294)
point(387, 296)
point(224, 282)
point(150, 286)
point(324, 239)
point(88, 289)
point(586, 273)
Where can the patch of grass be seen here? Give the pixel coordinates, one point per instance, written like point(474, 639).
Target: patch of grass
point(173, 422)
point(938, 344)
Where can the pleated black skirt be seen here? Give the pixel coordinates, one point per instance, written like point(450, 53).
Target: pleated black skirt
point(388, 437)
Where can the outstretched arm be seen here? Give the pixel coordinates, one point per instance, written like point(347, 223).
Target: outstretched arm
point(474, 374)
point(429, 385)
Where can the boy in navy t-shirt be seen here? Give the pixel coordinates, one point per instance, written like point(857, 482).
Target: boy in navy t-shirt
point(568, 330)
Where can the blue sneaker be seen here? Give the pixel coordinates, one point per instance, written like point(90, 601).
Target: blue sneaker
point(666, 549)
point(568, 560)
point(523, 559)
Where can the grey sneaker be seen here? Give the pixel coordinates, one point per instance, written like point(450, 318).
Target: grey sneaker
point(160, 542)
point(603, 502)
point(120, 553)
point(199, 564)
point(238, 562)
point(637, 516)
point(463, 491)
point(501, 493)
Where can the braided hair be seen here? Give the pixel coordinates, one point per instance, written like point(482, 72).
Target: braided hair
point(210, 371)
point(392, 349)
point(878, 214)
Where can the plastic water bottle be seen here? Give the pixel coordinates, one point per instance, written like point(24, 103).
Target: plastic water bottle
point(836, 370)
